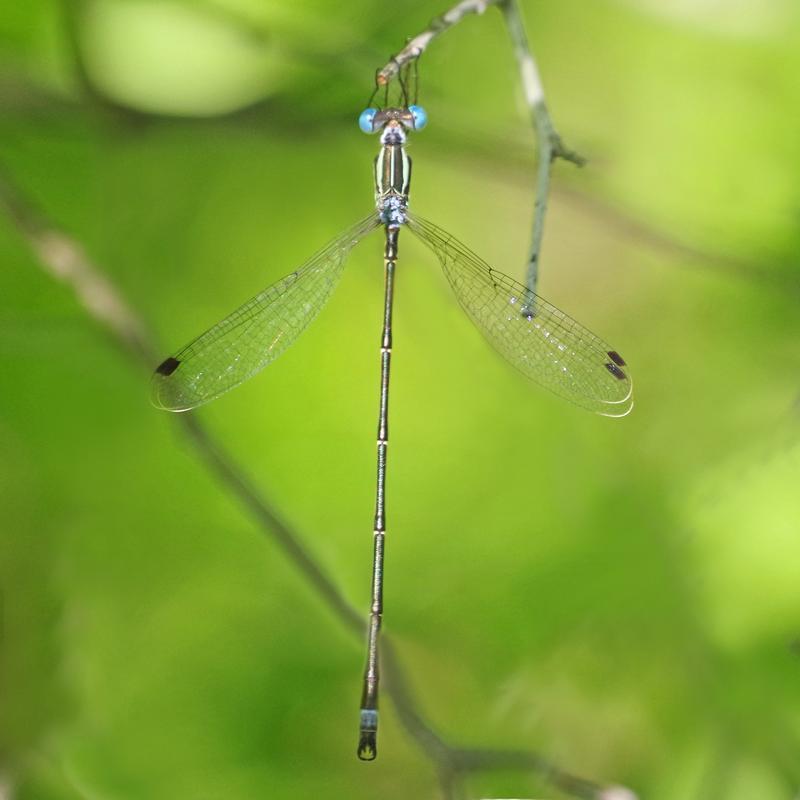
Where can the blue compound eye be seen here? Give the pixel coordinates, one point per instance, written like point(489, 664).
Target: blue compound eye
point(419, 116)
point(366, 119)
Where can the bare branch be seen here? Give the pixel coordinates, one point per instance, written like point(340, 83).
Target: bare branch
point(65, 260)
point(417, 45)
point(765, 271)
point(549, 143)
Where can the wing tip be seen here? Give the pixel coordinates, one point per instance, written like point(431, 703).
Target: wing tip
point(159, 396)
point(617, 413)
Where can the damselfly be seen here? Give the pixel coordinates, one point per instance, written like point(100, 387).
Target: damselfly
point(542, 342)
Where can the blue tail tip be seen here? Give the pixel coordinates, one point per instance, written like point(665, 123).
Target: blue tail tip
point(368, 735)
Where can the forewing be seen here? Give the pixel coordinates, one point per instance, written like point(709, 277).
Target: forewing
point(255, 334)
point(542, 342)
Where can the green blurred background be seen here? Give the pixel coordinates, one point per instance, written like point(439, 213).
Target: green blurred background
point(622, 596)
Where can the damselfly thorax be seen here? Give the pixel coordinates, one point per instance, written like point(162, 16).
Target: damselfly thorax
point(392, 164)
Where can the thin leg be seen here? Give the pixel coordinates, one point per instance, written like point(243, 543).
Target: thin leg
point(368, 735)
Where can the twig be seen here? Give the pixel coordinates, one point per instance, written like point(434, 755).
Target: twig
point(549, 143)
point(765, 271)
point(64, 258)
point(222, 464)
point(417, 45)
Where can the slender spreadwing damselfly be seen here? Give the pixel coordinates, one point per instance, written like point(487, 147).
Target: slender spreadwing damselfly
point(542, 342)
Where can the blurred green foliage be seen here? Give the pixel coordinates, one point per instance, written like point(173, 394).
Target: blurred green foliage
point(619, 595)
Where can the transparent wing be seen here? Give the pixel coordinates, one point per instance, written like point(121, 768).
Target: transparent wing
point(255, 334)
point(542, 342)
